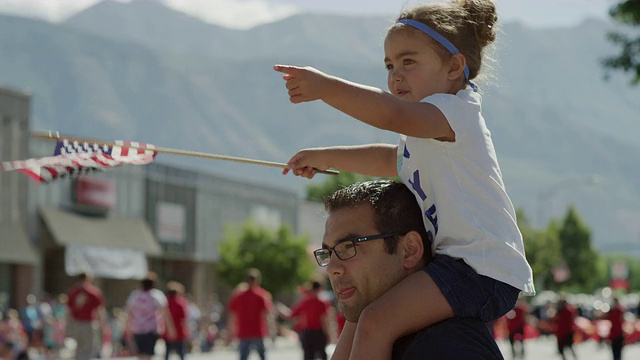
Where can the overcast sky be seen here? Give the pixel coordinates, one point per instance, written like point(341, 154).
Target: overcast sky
point(248, 13)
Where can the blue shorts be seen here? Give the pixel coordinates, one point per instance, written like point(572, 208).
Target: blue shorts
point(145, 343)
point(470, 294)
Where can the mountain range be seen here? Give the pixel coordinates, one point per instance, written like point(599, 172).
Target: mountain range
point(141, 71)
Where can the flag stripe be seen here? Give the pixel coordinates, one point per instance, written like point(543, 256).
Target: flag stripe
point(74, 159)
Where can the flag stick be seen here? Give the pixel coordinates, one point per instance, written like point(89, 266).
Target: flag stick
point(57, 136)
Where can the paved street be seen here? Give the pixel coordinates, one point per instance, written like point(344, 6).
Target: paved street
point(539, 349)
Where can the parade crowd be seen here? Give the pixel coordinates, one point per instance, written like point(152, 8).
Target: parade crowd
point(46, 328)
point(611, 320)
point(78, 325)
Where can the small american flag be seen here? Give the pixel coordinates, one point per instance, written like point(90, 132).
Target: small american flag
point(73, 158)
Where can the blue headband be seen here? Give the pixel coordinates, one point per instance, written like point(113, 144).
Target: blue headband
point(440, 39)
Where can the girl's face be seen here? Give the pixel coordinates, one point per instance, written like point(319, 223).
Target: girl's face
point(415, 70)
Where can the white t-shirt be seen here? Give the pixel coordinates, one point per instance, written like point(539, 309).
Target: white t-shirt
point(144, 309)
point(459, 188)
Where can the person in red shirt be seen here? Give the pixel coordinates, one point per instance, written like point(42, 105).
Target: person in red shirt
point(88, 317)
point(616, 334)
point(176, 331)
point(516, 321)
point(311, 315)
point(564, 327)
point(250, 315)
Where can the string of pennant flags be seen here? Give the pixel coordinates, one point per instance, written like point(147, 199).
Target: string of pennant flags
point(74, 156)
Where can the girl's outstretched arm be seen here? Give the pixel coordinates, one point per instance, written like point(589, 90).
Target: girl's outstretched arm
point(370, 105)
point(411, 305)
point(372, 159)
point(343, 347)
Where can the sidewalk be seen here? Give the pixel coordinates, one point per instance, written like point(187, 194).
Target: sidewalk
point(289, 349)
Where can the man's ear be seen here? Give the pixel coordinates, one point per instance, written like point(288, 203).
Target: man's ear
point(413, 249)
point(456, 66)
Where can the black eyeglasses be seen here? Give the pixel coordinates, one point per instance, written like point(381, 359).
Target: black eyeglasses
point(346, 249)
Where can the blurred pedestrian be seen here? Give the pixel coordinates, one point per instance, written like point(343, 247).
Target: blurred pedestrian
point(250, 311)
point(616, 334)
point(61, 315)
point(176, 331)
point(194, 315)
point(88, 317)
point(32, 320)
point(13, 338)
point(145, 307)
point(117, 322)
point(215, 311)
point(564, 321)
point(311, 315)
point(516, 322)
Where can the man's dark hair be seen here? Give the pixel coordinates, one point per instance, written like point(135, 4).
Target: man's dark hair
point(149, 282)
point(316, 285)
point(395, 207)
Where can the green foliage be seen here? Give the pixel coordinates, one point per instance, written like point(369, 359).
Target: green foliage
point(317, 192)
point(543, 253)
point(281, 257)
point(633, 264)
point(569, 241)
point(626, 12)
point(577, 251)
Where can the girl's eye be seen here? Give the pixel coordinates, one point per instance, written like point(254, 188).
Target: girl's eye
point(407, 61)
point(388, 66)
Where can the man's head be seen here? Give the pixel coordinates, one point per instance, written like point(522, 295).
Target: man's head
point(85, 277)
point(364, 210)
point(149, 282)
point(253, 276)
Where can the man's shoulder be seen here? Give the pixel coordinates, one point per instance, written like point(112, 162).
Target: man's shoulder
point(451, 339)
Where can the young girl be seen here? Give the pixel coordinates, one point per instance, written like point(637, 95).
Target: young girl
point(445, 155)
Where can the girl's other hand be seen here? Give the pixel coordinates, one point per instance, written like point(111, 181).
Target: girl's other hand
point(306, 163)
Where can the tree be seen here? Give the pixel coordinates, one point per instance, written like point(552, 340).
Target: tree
point(281, 257)
point(577, 252)
point(542, 249)
point(628, 13)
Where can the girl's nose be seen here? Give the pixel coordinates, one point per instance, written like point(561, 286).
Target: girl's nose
point(396, 75)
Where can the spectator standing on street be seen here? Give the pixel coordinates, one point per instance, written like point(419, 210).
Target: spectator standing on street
point(88, 317)
point(312, 314)
point(13, 338)
point(176, 330)
point(564, 327)
point(616, 334)
point(250, 311)
point(194, 315)
point(144, 308)
point(32, 320)
point(516, 322)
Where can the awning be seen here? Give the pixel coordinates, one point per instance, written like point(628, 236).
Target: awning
point(109, 232)
point(15, 247)
point(105, 262)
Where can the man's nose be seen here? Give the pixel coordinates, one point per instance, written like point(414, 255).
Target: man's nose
point(335, 266)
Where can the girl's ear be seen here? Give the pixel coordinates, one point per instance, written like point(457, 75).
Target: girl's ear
point(413, 249)
point(456, 66)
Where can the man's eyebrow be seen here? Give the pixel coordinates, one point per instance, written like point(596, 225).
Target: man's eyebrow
point(401, 54)
point(347, 237)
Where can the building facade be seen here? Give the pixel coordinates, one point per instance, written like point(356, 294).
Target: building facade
point(18, 258)
point(118, 223)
